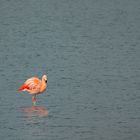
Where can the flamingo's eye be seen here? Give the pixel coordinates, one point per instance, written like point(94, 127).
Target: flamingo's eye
point(46, 81)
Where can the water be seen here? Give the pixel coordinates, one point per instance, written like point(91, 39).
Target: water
point(90, 52)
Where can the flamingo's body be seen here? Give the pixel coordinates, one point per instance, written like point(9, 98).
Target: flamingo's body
point(34, 86)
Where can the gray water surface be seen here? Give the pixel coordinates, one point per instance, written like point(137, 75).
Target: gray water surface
point(90, 50)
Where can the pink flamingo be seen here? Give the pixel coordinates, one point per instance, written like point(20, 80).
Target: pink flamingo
point(34, 86)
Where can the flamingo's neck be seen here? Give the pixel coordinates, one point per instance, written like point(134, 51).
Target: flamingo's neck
point(43, 85)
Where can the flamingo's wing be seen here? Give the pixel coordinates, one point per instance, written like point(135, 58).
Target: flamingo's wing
point(23, 87)
point(31, 84)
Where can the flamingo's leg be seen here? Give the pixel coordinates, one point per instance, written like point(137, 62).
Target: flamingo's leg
point(33, 100)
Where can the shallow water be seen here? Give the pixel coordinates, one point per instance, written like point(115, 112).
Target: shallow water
point(90, 52)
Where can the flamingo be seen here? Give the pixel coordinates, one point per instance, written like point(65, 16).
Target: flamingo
point(34, 86)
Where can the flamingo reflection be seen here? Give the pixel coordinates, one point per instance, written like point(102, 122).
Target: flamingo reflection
point(36, 111)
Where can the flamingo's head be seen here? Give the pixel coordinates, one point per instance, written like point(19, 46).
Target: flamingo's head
point(44, 77)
